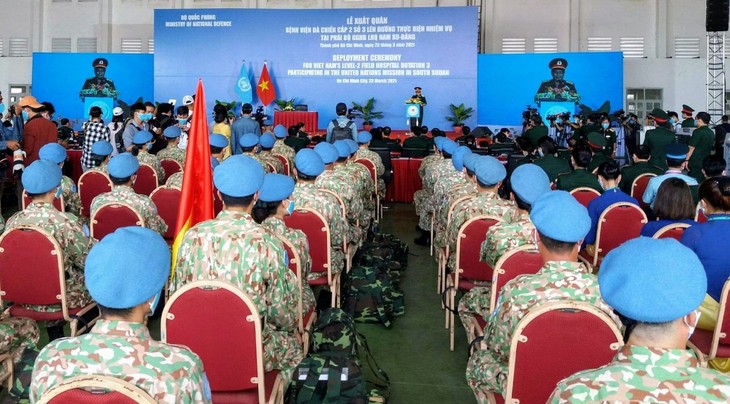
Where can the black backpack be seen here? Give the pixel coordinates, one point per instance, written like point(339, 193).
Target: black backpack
point(341, 132)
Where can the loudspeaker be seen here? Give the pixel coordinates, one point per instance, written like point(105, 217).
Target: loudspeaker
point(717, 15)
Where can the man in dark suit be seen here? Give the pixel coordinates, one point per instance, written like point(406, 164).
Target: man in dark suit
point(417, 145)
point(99, 86)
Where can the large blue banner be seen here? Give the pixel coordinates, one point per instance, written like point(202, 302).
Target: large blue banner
point(74, 81)
point(550, 82)
point(322, 57)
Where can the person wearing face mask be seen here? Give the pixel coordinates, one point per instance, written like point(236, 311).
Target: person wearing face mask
point(141, 144)
point(673, 122)
point(700, 145)
point(127, 291)
point(655, 286)
point(676, 160)
point(234, 248)
point(42, 183)
point(707, 240)
point(138, 121)
point(183, 115)
point(172, 136)
point(123, 172)
point(607, 132)
point(548, 161)
point(275, 202)
point(687, 121)
point(631, 131)
point(9, 135)
point(37, 131)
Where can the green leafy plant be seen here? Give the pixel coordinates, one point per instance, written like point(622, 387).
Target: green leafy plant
point(285, 105)
point(365, 111)
point(459, 114)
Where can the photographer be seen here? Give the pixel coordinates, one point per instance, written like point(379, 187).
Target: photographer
point(536, 130)
point(563, 129)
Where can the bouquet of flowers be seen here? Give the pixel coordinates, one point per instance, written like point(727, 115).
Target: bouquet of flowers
point(285, 105)
point(414, 100)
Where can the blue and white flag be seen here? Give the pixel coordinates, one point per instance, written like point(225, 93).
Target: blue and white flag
point(243, 86)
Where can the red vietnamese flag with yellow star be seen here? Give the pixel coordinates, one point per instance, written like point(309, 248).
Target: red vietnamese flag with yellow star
point(265, 88)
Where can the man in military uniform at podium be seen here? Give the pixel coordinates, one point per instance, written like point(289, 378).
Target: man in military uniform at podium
point(420, 99)
point(557, 89)
point(687, 121)
point(99, 86)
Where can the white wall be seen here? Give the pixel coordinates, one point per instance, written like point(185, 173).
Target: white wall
point(572, 22)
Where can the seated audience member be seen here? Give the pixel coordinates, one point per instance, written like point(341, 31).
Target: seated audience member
point(172, 151)
point(597, 142)
point(553, 165)
point(527, 151)
point(673, 204)
point(580, 177)
point(417, 145)
point(55, 153)
point(295, 141)
point(714, 166)
point(466, 138)
point(280, 147)
point(123, 172)
point(119, 345)
point(709, 242)
point(210, 248)
point(676, 154)
point(609, 175)
point(561, 224)
point(100, 153)
point(267, 142)
point(641, 166)
point(42, 183)
point(655, 286)
point(141, 144)
point(275, 202)
point(249, 143)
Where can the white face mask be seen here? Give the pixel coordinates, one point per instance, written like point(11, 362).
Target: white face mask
point(692, 327)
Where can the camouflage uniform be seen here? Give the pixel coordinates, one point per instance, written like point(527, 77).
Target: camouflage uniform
point(142, 203)
point(299, 240)
point(234, 248)
point(364, 184)
point(2, 224)
point(66, 229)
point(443, 177)
point(484, 203)
point(261, 159)
point(556, 281)
point(362, 153)
point(104, 168)
point(423, 199)
point(169, 373)
point(145, 158)
point(17, 334)
point(270, 159)
point(644, 374)
point(468, 188)
point(347, 191)
point(282, 148)
point(71, 198)
point(307, 195)
point(175, 180)
point(173, 153)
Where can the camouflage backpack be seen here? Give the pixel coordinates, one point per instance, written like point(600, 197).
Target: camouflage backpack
point(387, 247)
point(370, 296)
point(334, 331)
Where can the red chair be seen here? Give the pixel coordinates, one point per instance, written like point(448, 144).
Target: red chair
point(620, 222)
point(469, 269)
point(306, 320)
point(170, 166)
point(217, 202)
point(714, 344)
point(95, 389)
point(315, 226)
point(674, 230)
point(370, 165)
point(442, 254)
point(57, 202)
point(112, 216)
point(146, 181)
point(284, 163)
point(553, 341)
point(585, 195)
point(700, 216)
point(41, 281)
point(221, 324)
point(638, 186)
point(349, 252)
point(167, 201)
point(92, 184)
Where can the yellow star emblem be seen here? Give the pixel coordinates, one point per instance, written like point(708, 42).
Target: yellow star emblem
point(264, 85)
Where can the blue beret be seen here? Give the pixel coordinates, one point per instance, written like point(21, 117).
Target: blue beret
point(652, 280)
point(343, 150)
point(558, 215)
point(308, 162)
point(102, 148)
point(125, 283)
point(53, 152)
point(364, 137)
point(353, 145)
point(449, 146)
point(41, 176)
point(457, 159)
point(529, 181)
point(172, 132)
point(276, 187)
point(489, 171)
point(217, 140)
point(676, 151)
point(267, 140)
point(142, 137)
point(239, 176)
point(327, 151)
point(280, 131)
point(470, 161)
point(439, 141)
point(248, 140)
point(123, 165)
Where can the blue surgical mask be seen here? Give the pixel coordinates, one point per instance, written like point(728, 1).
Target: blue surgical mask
point(59, 192)
point(290, 208)
point(145, 117)
point(25, 115)
point(182, 121)
point(153, 305)
point(671, 121)
point(149, 146)
point(604, 125)
point(2, 108)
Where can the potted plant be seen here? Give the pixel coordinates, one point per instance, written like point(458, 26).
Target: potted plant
point(285, 105)
point(365, 111)
point(459, 114)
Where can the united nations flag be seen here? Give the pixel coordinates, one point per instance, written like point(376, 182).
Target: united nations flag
point(243, 86)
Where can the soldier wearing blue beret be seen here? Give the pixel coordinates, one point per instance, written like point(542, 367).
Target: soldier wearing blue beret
point(100, 152)
point(142, 142)
point(56, 153)
point(676, 160)
point(267, 142)
point(172, 151)
point(281, 148)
